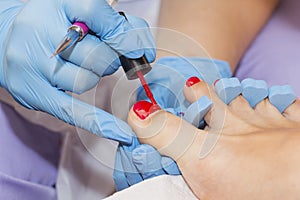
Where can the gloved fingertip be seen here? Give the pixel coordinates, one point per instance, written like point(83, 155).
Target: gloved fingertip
point(137, 53)
point(119, 176)
point(150, 55)
point(140, 153)
point(115, 129)
point(148, 161)
point(137, 22)
point(120, 180)
point(170, 166)
point(123, 138)
point(144, 44)
point(130, 171)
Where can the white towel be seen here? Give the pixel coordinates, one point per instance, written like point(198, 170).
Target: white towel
point(161, 187)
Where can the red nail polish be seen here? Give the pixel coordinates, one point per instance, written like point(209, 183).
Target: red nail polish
point(192, 81)
point(216, 82)
point(144, 108)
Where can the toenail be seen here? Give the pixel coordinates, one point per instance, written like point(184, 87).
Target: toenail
point(192, 81)
point(215, 82)
point(144, 108)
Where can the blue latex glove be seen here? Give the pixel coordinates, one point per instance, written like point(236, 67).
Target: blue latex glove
point(31, 31)
point(169, 75)
point(137, 162)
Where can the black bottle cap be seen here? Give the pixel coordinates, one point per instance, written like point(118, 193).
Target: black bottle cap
point(132, 66)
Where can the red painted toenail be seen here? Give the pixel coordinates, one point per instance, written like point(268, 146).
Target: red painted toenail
point(144, 108)
point(216, 82)
point(192, 81)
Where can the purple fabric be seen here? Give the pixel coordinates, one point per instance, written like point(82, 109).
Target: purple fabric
point(274, 56)
point(12, 188)
point(29, 157)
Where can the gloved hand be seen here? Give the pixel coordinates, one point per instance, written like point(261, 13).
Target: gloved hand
point(169, 75)
point(137, 162)
point(31, 31)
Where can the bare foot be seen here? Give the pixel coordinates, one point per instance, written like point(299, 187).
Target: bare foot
point(243, 153)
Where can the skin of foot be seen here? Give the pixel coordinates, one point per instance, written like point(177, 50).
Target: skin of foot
point(243, 153)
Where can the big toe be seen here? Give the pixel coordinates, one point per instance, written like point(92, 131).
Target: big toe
point(169, 134)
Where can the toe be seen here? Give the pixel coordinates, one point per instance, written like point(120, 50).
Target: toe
point(219, 117)
point(254, 91)
point(281, 96)
point(228, 89)
point(200, 90)
point(196, 88)
point(292, 112)
point(169, 134)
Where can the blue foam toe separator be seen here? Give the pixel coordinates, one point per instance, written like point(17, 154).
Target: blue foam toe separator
point(197, 110)
point(281, 96)
point(254, 91)
point(228, 89)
